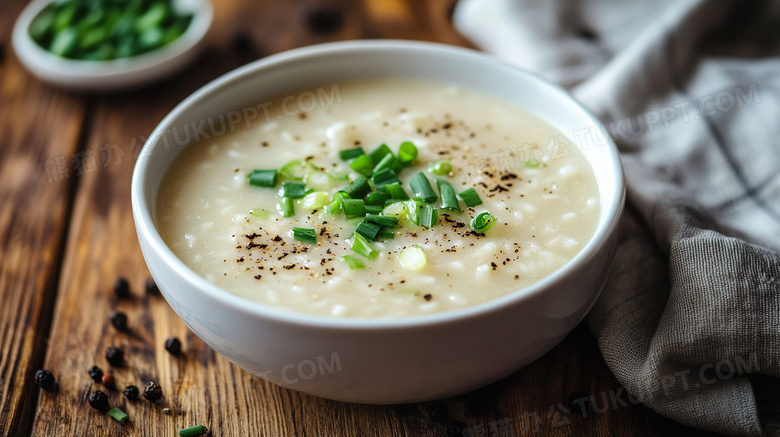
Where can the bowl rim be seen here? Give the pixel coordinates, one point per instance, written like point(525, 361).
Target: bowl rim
point(147, 230)
point(42, 63)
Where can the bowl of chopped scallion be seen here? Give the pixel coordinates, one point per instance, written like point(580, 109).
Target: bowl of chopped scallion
point(109, 44)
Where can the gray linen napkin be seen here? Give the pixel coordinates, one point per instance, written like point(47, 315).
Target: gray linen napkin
point(689, 320)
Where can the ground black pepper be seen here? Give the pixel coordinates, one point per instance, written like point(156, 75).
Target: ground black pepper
point(173, 345)
point(96, 373)
point(98, 400)
point(44, 379)
point(152, 391)
point(115, 356)
point(131, 392)
point(122, 288)
point(119, 320)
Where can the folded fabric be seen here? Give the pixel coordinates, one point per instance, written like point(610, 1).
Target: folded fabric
point(689, 320)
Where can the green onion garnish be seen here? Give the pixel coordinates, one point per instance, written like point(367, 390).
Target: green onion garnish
point(334, 207)
point(262, 178)
point(447, 195)
point(380, 153)
point(384, 177)
point(412, 258)
point(363, 165)
point(407, 152)
point(396, 191)
point(259, 213)
point(359, 188)
point(118, 414)
point(304, 234)
point(354, 207)
point(374, 209)
point(363, 247)
point(390, 162)
point(482, 222)
point(531, 163)
point(422, 188)
point(429, 216)
point(352, 262)
point(414, 210)
point(368, 230)
point(315, 200)
point(286, 207)
point(296, 170)
point(470, 197)
point(386, 233)
point(382, 220)
point(397, 210)
point(296, 190)
point(377, 198)
point(441, 168)
point(193, 431)
point(348, 154)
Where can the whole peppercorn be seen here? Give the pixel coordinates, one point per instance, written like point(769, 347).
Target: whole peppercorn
point(119, 320)
point(98, 400)
point(131, 392)
point(115, 356)
point(108, 381)
point(152, 391)
point(173, 345)
point(151, 287)
point(122, 288)
point(95, 373)
point(44, 379)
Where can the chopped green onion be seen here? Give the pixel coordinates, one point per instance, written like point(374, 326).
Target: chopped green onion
point(531, 163)
point(441, 168)
point(334, 207)
point(296, 170)
point(422, 188)
point(359, 187)
point(382, 220)
point(384, 177)
point(259, 213)
point(374, 209)
point(363, 247)
point(377, 199)
point(397, 210)
point(413, 208)
point(380, 153)
point(352, 262)
point(315, 200)
point(390, 162)
point(193, 431)
point(119, 415)
point(412, 258)
point(407, 152)
point(396, 191)
point(348, 154)
point(296, 190)
point(368, 230)
point(319, 181)
point(262, 178)
point(482, 222)
point(304, 234)
point(447, 195)
point(470, 197)
point(354, 207)
point(286, 207)
point(386, 233)
point(429, 216)
point(363, 165)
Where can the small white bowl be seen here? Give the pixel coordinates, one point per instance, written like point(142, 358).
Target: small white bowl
point(381, 360)
point(117, 73)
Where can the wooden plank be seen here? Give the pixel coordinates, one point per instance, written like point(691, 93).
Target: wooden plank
point(201, 387)
point(37, 123)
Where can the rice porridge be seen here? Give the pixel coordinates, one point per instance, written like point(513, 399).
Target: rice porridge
point(386, 198)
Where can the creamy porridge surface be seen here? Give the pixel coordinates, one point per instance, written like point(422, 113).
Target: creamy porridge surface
point(536, 183)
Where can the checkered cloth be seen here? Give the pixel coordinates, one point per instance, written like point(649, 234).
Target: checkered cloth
point(689, 320)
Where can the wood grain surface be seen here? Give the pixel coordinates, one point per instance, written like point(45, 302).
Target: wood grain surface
point(65, 240)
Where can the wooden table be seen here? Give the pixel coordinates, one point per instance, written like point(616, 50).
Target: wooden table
point(66, 234)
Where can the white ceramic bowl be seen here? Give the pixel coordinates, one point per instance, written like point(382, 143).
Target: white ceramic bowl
point(112, 74)
point(389, 360)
